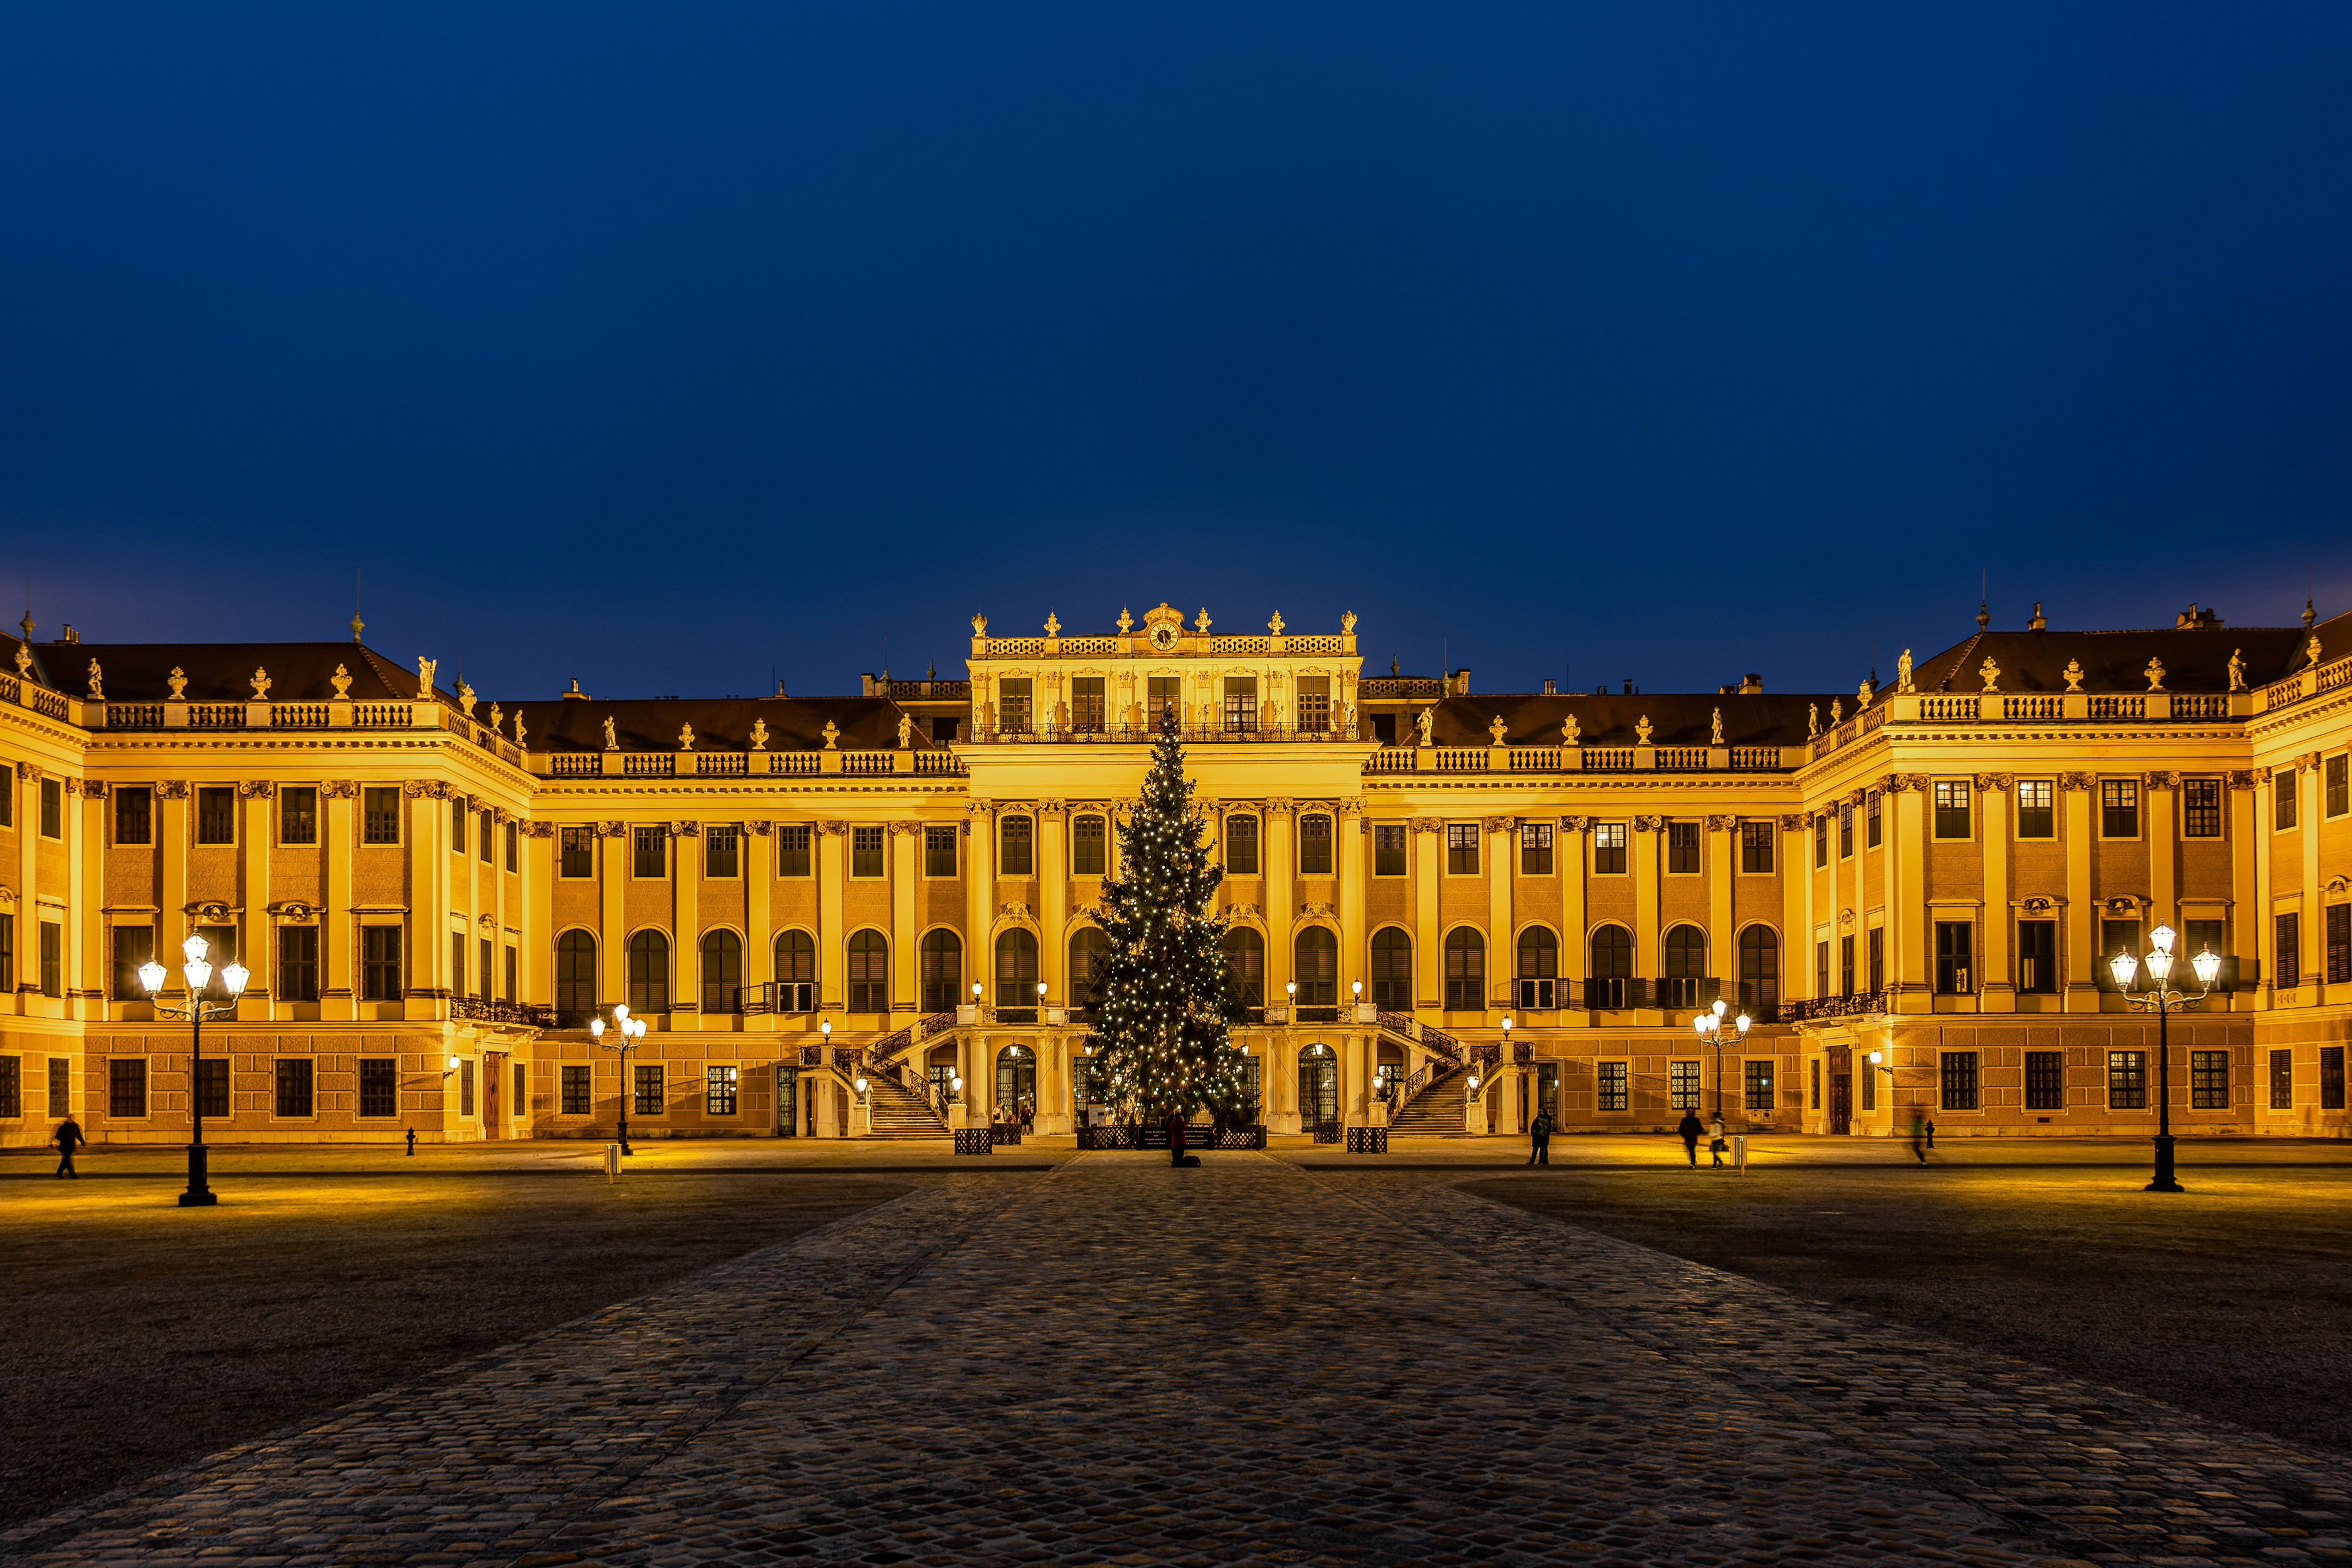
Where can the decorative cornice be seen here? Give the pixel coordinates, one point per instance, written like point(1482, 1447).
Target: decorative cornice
point(171, 789)
point(2242, 778)
point(1649, 824)
point(2076, 781)
point(1722, 824)
point(905, 826)
point(340, 789)
point(760, 827)
point(536, 829)
point(612, 830)
point(2164, 780)
point(1497, 824)
point(92, 789)
point(256, 789)
point(1988, 783)
point(1793, 822)
point(1428, 825)
point(686, 830)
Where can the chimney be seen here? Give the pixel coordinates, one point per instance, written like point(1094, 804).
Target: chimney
point(1551, 689)
point(1751, 685)
point(1629, 689)
point(576, 694)
point(2192, 619)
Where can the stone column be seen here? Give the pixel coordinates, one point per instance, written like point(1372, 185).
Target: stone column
point(339, 837)
point(429, 900)
point(686, 924)
point(2248, 844)
point(1808, 945)
point(2081, 938)
point(1722, 871)
point(257, 841)
point(2314, 895)
point(1796, 881)
point(1428, 935)
point(2161, 835)
point(1647, 833)
point(1906, 891)
point(832, 936)
point(537, 916)
point(1053, 903)
point(85, 953)
point(906, 939)
point(1575, 943)
point(1281, 896)
point(979, 914)
point(1996, 988)
point(1349, 845)
point(759, 913)
point(613, 857)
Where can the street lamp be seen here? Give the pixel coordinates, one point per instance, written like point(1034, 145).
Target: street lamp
point(1708, 1027)
point(197, 974)
point(2161, 998)
point(627, 1031)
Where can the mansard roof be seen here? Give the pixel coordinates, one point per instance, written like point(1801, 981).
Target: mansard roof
point(721, 723)
point(221, 672)
point(2195, 659)
point(1677, 717)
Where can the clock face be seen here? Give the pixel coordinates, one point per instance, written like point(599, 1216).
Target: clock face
point(1163, 638)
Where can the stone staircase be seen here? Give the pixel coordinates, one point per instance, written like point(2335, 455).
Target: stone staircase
point(901, 1113)
point(1437, 1111)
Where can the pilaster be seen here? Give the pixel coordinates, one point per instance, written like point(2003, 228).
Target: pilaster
point(1502, 867)
point(339, 837)
point(906, 959)
point(257, 843)
point(1281, 898)
point(1647, 871)
point(1996, 981)
point(2081, 941)
point(686, 923)
point(1722, 867)
point(1906, 889)
point(1428, 957)
point(832, 935)
point(1053, 904)
point(612, 869)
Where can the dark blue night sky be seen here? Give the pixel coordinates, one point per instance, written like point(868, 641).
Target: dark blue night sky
point(662, 345)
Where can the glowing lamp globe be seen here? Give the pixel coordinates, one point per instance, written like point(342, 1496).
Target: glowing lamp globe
point(2161, 939)
point(151, 975)
point(2208, 965)
point(595, 1028)
point(233, 978)
point(2125, 968)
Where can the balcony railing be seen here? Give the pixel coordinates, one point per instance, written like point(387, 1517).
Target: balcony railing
point(1142, 735)
point(489, 1010)
point(1857, 1004)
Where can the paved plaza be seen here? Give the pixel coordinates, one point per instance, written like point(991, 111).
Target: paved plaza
point(1107, 1361)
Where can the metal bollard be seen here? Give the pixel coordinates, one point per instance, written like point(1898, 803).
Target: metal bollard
point(1740, 1153)
point(611, 1163)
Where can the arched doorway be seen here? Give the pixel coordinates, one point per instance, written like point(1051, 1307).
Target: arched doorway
point(1318, 1087)
point(1016, 1081)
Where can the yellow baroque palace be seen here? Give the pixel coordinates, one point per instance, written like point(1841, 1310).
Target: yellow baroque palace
point(435, 893)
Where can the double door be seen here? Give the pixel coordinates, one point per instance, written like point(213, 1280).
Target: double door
point(1319, 1086)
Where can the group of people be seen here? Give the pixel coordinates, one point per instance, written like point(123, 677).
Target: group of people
point(1023, 1116)
point(1690, 1130)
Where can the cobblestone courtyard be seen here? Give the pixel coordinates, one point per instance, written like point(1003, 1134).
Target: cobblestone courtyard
point(1115, 1362)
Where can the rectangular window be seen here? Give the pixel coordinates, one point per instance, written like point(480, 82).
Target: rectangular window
point(457, 964)
point(2037, 816)
point(12, 1087)
point(1314, 704)
point(513, 990)
point(2282, 799)
point(1461, 848)
point(1012, 705)
point(1388, 850)
point(865, 847)
point(1952, 820)
point(722, 850)
point(484, 955)
point(1608, 848)
point(1876, 821)
point(1868, 1086)
point(1016, 847)
point(126, 1086)
point(1815, 1103)
point(1163, 699)
point(2208, 1081)
point(2037, 957)
point(1613, 1094)
point(1959, 1081)
point(379, 1085)
point(2331, 1077)
point(1089, 846)
point(1241, 702)
point(1821, 967)
point(2290, 952)
point(53, 959)
point(1878, 947)
point(134, 815)
point(379, 815)
point(2282, 1080)
point(576, 1091)
point(649, 1098)
point(1820, 841)
point(2206, 936)
point(578, 853)
point(1845, 830)
point(1758, 1085)
point(2119, 808)
point(212, 1086)
point(1535, 849)
point(298, 815)
point(297, 963)
point(465, 1088)
point(1241, 846)
point(651, 856)
point(514, 863)
point(2046, 1080)
point(457, 826)
point(1682, 1086)
point(719, 1099)
point(1954, 944)
point(1756, 847)
point(1087, 708)
point(215, 816)
point(2339, 943)
point(486, 842)
point(940, 851)
point(1315, 846)
point(794, 855)
point(380, 964)
point(1682, 849)
point(133, 945)
point(2127, 1080)
point(53, 808)
point(8, 950)
point(2201, 808)
point(2337, 787)
point(1845, 966)
point(294, 1086)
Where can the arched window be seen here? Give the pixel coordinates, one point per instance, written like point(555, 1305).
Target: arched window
point(722, 972)
point(1317, 956)
point(795, 972)
point(1245, 965)
point(1760, 972)
point(1465, 971)
point(942, 961)
point(649, 972)
point(1612, 968)
point(869, 972)
point(1685, 963)
point(1392, 968)
point(1538, 968)
point(575, 979)
point(1016, 969)
point(1090, 949)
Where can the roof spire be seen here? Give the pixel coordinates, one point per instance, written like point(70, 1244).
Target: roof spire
point(358, 625)
point(1984, 617)
point(2039, 623)
point(2309, 616)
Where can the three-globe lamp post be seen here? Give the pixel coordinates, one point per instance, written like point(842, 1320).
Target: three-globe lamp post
point(1709, 1027)
point(2160, 998)
point(198, 973)
point(626, 1032)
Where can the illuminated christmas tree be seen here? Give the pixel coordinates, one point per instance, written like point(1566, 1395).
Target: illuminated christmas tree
point(1163, 991)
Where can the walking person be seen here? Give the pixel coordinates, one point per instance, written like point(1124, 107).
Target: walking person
point(1175, 1138)
point(1919, 1136)
point(1714, 1141)
point(1540, 1129)
point(68, 1138)
point(1688, 1130)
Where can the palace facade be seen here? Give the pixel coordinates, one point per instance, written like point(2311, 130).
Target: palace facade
point(435, 893)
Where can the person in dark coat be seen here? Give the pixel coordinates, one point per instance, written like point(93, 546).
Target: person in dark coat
point(68, 1138)
point(1175, 1137)
point(1687, 1130)
point(1539, 1131)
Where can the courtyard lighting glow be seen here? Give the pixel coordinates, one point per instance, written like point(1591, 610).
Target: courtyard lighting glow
point(2161, 999)
point(626, 1032)
point(198, 973)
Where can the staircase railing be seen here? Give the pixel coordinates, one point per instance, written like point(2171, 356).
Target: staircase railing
point(1429, 1077)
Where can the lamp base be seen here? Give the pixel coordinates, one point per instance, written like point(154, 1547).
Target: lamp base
point(200, 1193)
point(2164, 1181)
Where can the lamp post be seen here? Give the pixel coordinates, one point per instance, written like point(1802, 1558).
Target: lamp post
point(198, 974)
point(627, 1032)
point(2161, 998)
point(1708, 1027)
